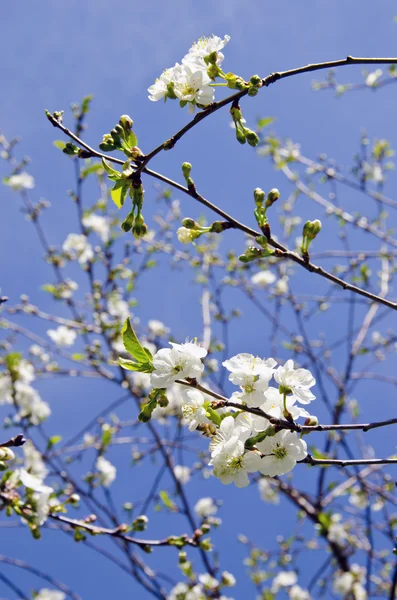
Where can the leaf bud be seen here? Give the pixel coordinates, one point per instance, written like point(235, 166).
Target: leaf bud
point(240, 135)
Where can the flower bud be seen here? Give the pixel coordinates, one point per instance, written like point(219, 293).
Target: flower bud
point(213, 71)
point(185, 236)
point(240, 135)
point(6, 453)
point(255, 80)
point(182, 557)
point(311, 229)
point(211, 58)
point(163, 401)
point(128, 223)
point(231, 79)
point(252, 137)
point(236, 113)
point(126, 122)
point(311, 421)
point(272, 197)
point(217, 227)
point(253, 90)
point(259, 196)
point(189, 223)
point(186, 169)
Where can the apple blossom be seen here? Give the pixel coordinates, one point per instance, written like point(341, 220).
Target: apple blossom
point(205, 507)
point(21, 181)
point(107, 471)
point(77, 246)
point(263, 278)
point(98, 224)
point(295, 381)
point(193, 409)
point(178, 362)
point(281, 452)
point(233, 465)
point(182, 474)
point(62, 336)
point(46, 594)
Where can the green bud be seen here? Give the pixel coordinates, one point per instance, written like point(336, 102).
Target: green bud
point(231, 79)
point(311, 229)
point(240, 135)
point(170, 91)
point(236, 113)
point(240, 84)
point(252, 137)
point(259, 196)
point(213, 71)
point(272, 197)
point(217, 227)
point(182, 557)
point(186, 169)
point(126, 122)
point(255, 80)
point(253, 90)
point(206, 545)
point(189, 223)
point(140, 230)
point(163, 401)
point(6, 453)
point(211, 59)
point(119, 129)
point(128, 223)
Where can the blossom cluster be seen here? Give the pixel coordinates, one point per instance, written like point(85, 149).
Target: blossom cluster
point(190, 81)
point(16, 389)
point(241, 442)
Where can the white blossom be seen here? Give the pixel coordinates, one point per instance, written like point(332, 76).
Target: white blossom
point(233, 466)
point(107, 471)
point(231, 432)
point(337, 532)
point(274, 406)
point(268, 492)
point(30, 404)
point(281, 286)
point(117, 307)
point(205, 507)
point(298, 593)
point(157, 328)
point(159, 89)
point(21, 181)
point(178, 362)
point(62, 336)
point(373, 77)
point(205, 46)
point(182, 474)
point(185, 235)
point(193, 409)
point(98, 224)
point(208, 581)
point(263, 278)
point(33, 461)
point(283, 579)
point(281, 452)
point(41, 495)
point(46, 594)
point(77, 246)
point(297, 381)
point(245, 368)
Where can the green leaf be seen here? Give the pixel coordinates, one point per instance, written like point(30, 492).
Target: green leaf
point(251, 442)
point(49, 287)
point(132, 344)
point(265, 122)
point(118, 193)
point(116, 175)
point(55, 439)
point(167, 501)
point(130, 365)
point(59, 144)
point(85, 105)
point(94, 168)
point(131, 138)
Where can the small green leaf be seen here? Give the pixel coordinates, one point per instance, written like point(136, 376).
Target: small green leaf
point(94, 168)
point(170, 504)
point(110, 171)
point(132, 344)
point(55, 439)
point(251, 442)
point(59, 144)
point(265, 122)
point(131, 138)
point(118, 193)
point(130, 365)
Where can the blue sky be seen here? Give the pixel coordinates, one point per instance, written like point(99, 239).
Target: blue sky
point(55, 53)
